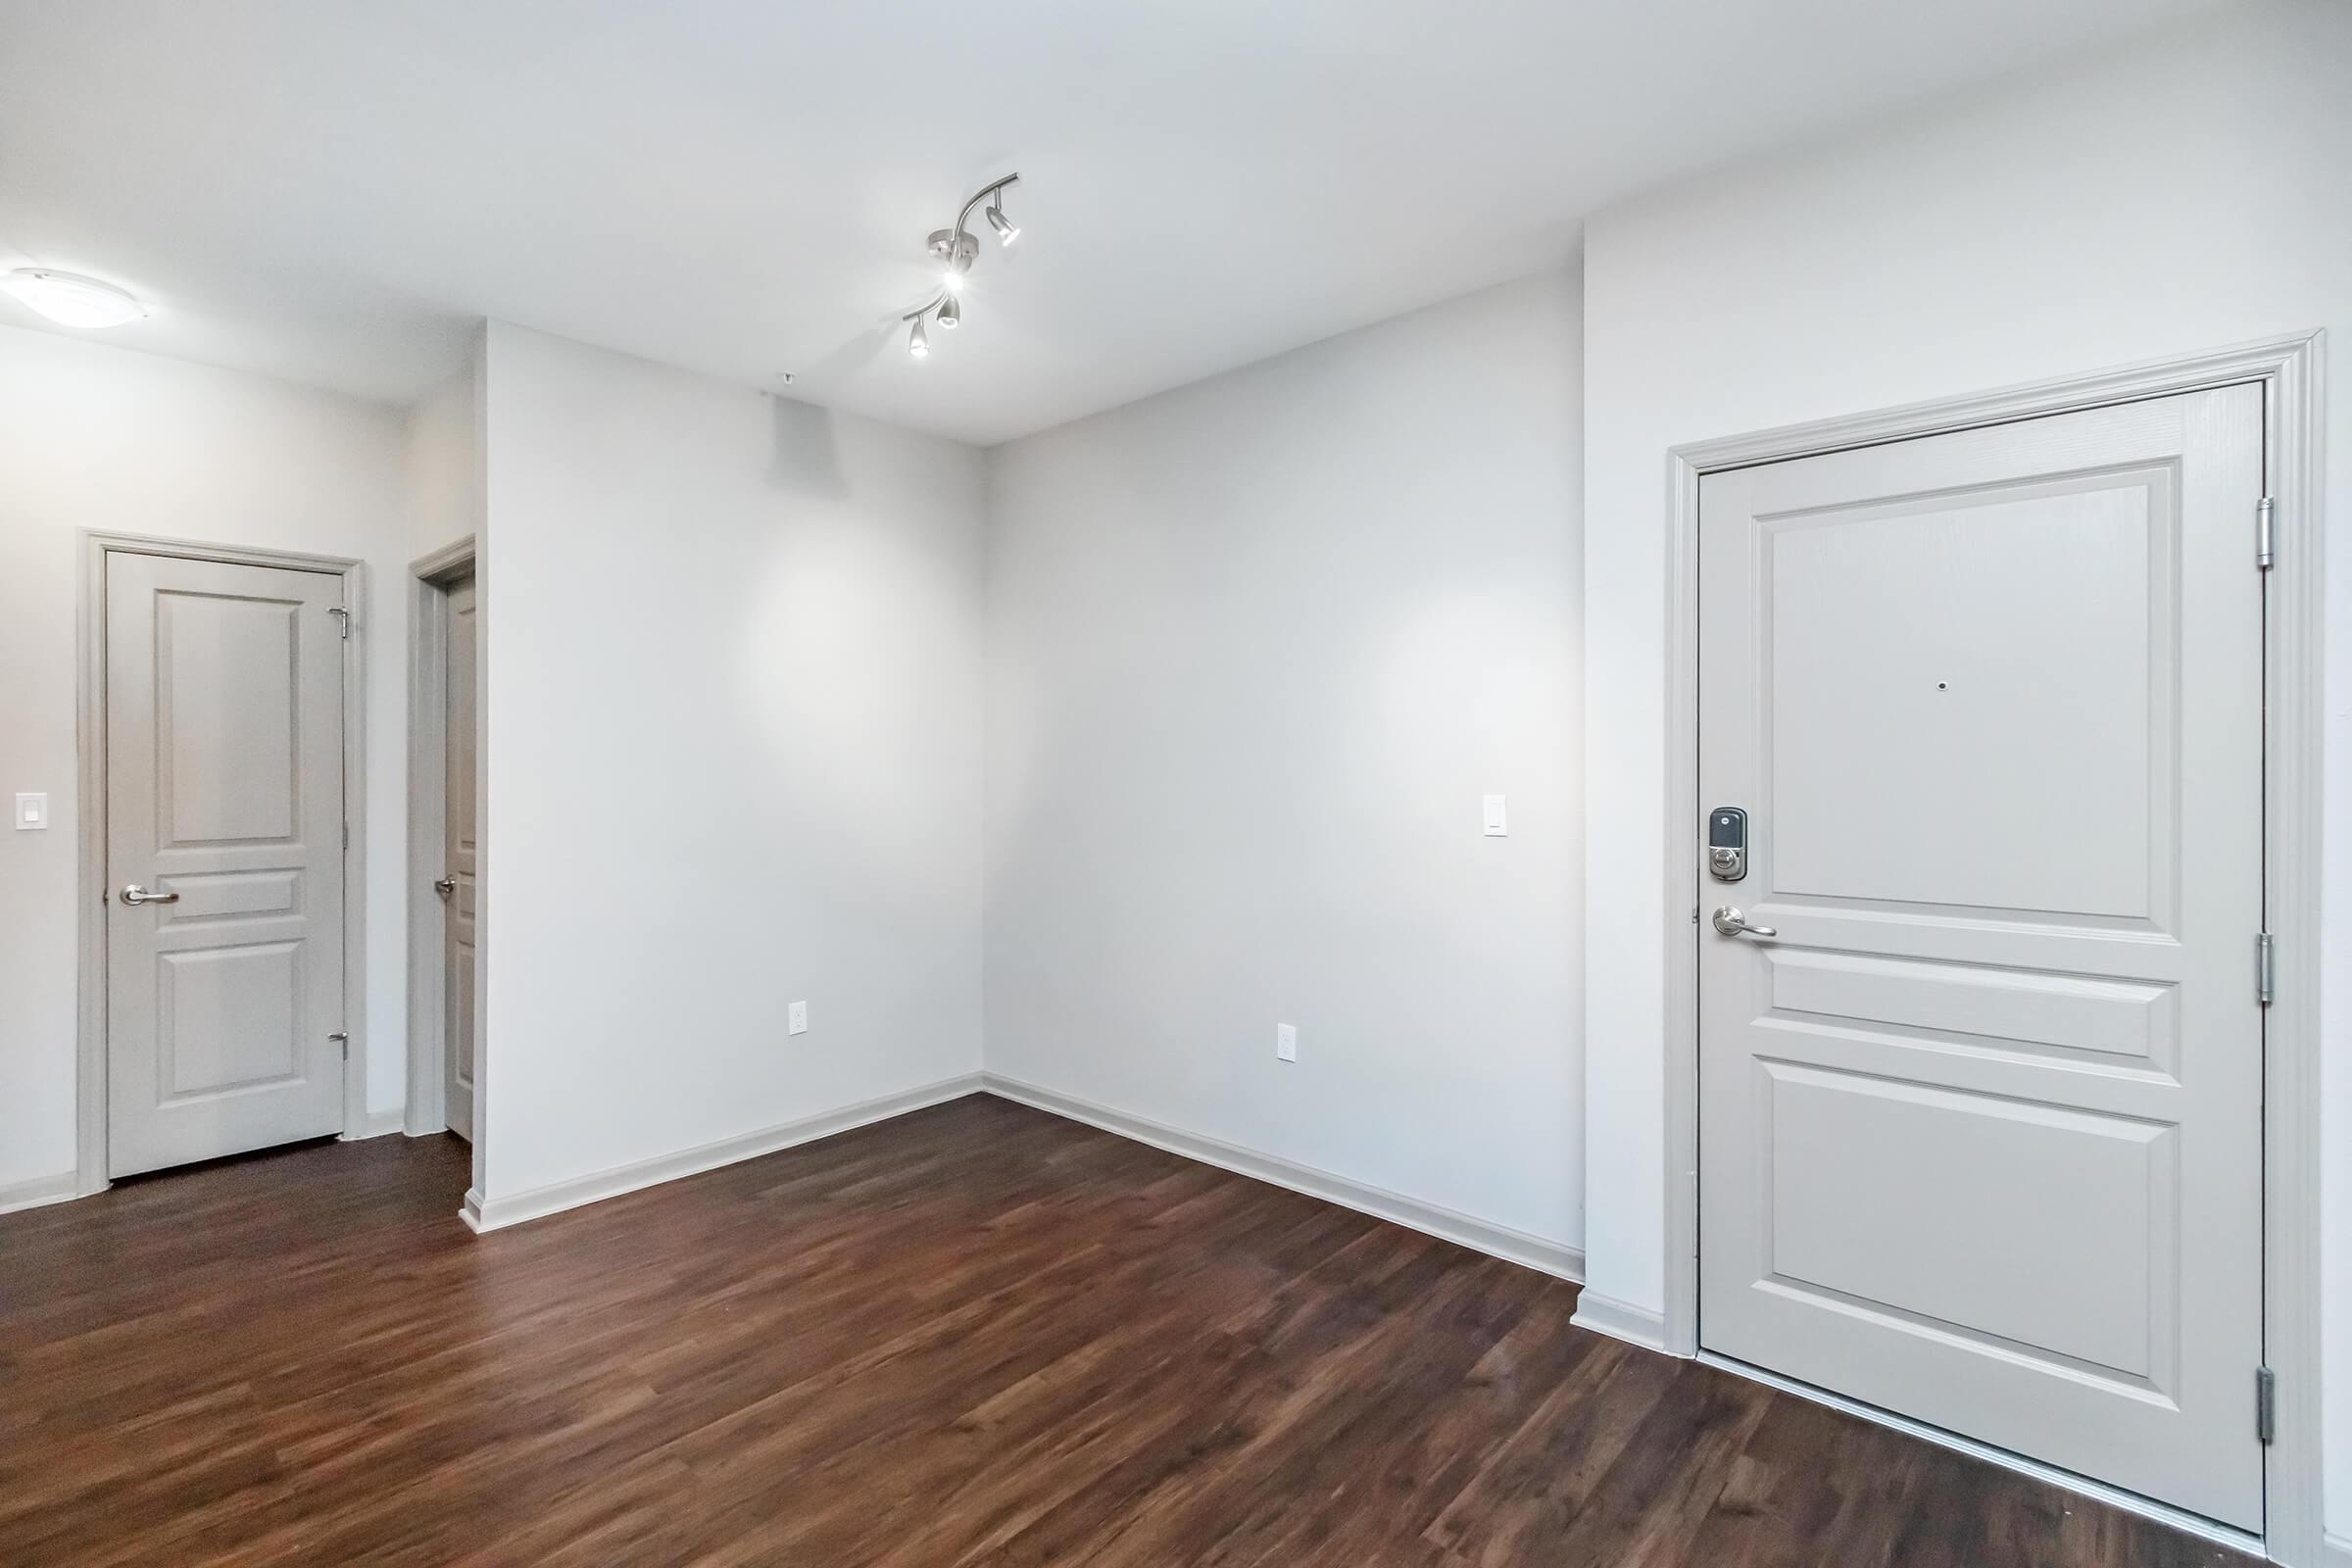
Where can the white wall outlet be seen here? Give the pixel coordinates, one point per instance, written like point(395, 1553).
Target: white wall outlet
point(1496, 826)
point(796, 1019)
point(1286, 1042)
point(32, 814)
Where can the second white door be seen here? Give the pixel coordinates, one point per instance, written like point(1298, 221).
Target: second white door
point(1982, 1115)
point(460, 885)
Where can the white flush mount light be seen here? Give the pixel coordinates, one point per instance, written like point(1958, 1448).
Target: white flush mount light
point(956, 248)
point(72, 300)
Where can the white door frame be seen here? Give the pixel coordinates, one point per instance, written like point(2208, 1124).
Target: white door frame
point(428, 804)
point(429, 714)
point(2289, 371)
point(90, 829)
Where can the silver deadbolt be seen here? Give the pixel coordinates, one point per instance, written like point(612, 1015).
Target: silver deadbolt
point(1727, 844)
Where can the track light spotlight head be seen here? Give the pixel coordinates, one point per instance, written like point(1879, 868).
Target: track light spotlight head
point(918, 341)
point(951, 313)
point(1006, 234)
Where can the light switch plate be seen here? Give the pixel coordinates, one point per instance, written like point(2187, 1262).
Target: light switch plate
point(1286, 1042)
point(1496, 826)
point(796, 1019)
point(32, 813)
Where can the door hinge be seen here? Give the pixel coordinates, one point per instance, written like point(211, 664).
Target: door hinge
point(347, 835)
point(344, 1040)
point(343, 619)
point(2266, 967)
point(2265, 1404)
point(2264, 554)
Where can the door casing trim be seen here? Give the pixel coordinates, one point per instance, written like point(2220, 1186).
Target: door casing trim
point(2290, 370)
point(90, 1072)
point(428, 787)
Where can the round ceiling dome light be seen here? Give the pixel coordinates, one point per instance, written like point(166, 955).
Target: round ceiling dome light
point(72, 300)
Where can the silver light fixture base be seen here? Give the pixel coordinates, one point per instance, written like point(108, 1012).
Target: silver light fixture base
point(954, 247)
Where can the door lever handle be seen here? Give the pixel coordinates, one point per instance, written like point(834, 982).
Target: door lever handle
point(1730, 922)
point(445, 885)
point(132, 893)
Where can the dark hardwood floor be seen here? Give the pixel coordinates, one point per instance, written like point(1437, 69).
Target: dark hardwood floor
point(974, 1335)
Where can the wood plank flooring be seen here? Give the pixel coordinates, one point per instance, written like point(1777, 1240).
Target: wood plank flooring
point(976, 1335)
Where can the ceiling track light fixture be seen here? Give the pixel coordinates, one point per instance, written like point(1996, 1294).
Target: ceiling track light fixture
point(955, 249)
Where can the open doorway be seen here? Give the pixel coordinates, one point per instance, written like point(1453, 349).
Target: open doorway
point(445, 861)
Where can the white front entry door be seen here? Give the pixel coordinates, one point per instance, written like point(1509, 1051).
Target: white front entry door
point(225, 858)
point(1981, 1125)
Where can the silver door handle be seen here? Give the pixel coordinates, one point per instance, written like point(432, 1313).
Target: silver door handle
point(1732, 923)
point(132, 893)
point(445, 885)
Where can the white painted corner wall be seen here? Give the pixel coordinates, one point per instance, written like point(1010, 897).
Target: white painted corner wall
point(732, 651)
point(443, 462)
point(2184, 196)
point(93, 437)
point(1257, 647)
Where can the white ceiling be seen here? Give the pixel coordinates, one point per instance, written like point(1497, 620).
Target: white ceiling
point(328, 190)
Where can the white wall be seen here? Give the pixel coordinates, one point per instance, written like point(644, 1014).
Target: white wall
point(105, 438)
point(1257, 647)
point(2188, 195)
point(444, 470)
point(733, 732)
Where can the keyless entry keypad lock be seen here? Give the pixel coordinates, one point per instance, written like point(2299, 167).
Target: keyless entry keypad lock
point(1727, 843)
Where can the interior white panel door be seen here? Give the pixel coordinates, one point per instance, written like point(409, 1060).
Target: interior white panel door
point(224, 857)
point(462, 891)
point(1981, 1126)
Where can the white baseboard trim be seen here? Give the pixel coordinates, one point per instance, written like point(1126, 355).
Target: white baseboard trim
point(1480, 1236)
point(378, 1124)
point(40, 1190)
point(1620, 1320)
point(497, 1213)
point(2336, 1551)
